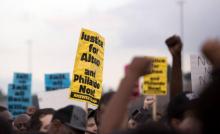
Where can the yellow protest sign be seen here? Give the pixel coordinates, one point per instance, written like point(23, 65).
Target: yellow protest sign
point(86, 82)
point(156, 82)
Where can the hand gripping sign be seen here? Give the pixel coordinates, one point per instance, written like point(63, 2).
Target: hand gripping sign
point(86, 82)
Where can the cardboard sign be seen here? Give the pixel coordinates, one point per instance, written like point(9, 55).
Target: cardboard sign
point(19, 98)
point(86, 82)
point(57, 81)
point(156, 82)
point(200, 72)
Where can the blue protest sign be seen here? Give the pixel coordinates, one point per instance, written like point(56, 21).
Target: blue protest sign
point(19, 93)
point(57, 81)
point(19, 98)
point(22, 78)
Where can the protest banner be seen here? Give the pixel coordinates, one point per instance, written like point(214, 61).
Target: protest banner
point(19, 98)
point(19, 93)
point(57, 81)
point(86, 82)
point(200, 72)
point(156, 82)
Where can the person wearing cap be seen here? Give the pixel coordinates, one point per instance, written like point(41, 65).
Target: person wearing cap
point(91, 124)
point(68, 120)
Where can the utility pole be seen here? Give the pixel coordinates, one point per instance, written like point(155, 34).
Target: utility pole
point(29, 55)
point(181, 4)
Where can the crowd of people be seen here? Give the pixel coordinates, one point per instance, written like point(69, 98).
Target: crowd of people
point(119, 112)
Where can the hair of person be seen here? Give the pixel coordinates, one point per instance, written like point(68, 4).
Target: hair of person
point(91, 113)
point(2, 109)
point(106, 98)
point(5, 127)
point(34, 132)
point(35, 123)
point(75, 131)
point(103, 102)
point(149, 128)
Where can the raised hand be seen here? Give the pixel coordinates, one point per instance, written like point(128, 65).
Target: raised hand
point(148, 101)
point(211, 49)
point(140, 66)
point(175, 45)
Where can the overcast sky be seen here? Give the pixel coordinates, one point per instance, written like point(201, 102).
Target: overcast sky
point(130, 27)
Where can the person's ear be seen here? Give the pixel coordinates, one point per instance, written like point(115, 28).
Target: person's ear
point(175, 122)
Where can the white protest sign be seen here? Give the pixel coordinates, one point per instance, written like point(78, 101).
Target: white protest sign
point(58, 99)
point(200, 72)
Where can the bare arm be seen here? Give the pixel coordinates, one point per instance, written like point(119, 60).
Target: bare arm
point(117, 107)
point(174, 44)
